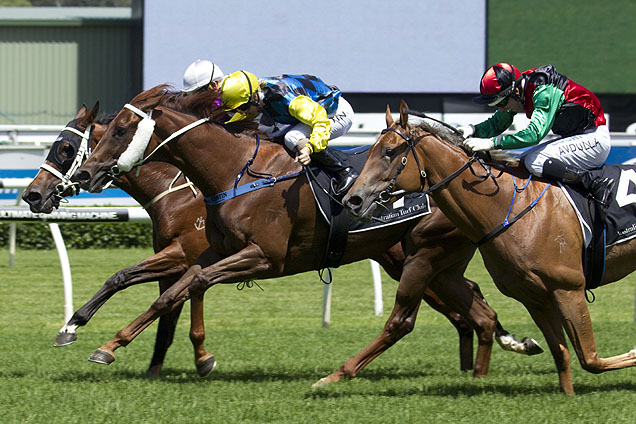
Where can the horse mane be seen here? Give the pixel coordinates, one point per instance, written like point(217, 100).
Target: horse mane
point(199, 104)
point(105, 118)
point(443, 133)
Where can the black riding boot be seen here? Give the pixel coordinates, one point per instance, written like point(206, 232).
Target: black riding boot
point(599, 188)
point(331, 162)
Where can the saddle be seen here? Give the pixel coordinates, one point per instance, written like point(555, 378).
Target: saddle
point(411, 206)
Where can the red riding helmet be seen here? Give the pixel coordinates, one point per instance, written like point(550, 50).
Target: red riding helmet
point(497, 83)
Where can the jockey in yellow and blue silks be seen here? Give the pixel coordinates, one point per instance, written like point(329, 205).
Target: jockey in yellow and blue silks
point(303, 108)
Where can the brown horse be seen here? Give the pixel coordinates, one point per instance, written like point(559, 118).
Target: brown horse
point(278, 231)
point(536, 261)
point(171, 230)
point(177, 238)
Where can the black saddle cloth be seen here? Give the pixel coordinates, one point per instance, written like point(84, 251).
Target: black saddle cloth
point(409, 207)
point(608, 226)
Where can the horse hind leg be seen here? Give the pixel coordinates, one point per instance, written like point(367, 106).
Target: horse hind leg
point(249, 263)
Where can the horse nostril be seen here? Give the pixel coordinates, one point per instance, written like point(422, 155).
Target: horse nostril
point(82, 177)
point(353, 203)
point(31, 197)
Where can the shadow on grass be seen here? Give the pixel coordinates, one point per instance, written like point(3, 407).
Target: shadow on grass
point(465, 390)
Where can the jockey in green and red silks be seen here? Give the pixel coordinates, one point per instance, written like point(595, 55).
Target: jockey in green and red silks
point(554, 103)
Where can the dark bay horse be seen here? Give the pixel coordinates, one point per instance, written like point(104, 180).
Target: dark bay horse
point(178, 236)
point(279, 231)
point(536, 261)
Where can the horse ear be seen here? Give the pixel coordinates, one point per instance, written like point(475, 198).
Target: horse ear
point(156, 112)
point(404, 117)
point(389, 117)
point(81, 112)
point(93, 113)
point(88, 118)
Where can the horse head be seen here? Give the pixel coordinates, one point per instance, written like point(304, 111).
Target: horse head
point(69, 150)
point(390, 170)
point(133, 123)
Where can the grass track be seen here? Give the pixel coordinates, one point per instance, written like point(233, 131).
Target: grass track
point(271, 349)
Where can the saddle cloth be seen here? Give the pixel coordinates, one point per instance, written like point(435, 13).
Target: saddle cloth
point(621, 213)
point(605, 227)
point(411, 206)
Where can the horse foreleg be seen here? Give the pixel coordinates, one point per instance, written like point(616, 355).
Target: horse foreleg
point(165, 264)
point(401, 322)
point(549, 322)
point(393, 263)
point(169, 301)
point(578, 326)
point(247, 264)
point(165, 334)
point(460, 295)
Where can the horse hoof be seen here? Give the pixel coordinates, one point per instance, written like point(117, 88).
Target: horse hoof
point(64, 338)
point(320, 383)
point(532, 346)
point(102, 357)
point(206, 367)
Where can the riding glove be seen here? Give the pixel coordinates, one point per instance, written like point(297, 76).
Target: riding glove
point(467, 130)
point(479, 144)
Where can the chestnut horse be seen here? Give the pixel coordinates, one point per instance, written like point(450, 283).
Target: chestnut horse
point(279, 231)
point(536, 261)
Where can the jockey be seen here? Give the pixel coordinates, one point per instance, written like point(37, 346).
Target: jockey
point(552, 102)
point(202, 74)
point(303, 108)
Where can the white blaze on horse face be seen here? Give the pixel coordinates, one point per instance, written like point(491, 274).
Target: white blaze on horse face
point(135, 151)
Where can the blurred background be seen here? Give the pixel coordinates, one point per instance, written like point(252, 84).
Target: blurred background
point(57, 55)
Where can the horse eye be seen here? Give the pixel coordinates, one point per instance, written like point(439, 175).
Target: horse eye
point(389, 152)
point(66, 150)
point(119, 131)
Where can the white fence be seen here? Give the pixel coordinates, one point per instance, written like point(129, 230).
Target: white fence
point(121, 214)
point(26, 147)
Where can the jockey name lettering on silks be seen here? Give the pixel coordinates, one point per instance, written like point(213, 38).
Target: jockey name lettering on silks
point(581, 145)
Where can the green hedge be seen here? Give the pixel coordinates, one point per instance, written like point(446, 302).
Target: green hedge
point(80, 236)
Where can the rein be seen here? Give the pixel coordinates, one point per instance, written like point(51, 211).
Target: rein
point(133, 155)
point(386, 195)
point(237, 190)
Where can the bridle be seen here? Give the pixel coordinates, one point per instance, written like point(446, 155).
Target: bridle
point(387, 194)
point(80, 157)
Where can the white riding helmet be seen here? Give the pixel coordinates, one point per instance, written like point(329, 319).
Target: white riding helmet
point(199, 74)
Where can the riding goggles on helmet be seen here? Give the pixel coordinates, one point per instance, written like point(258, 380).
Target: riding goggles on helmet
point(497, 84)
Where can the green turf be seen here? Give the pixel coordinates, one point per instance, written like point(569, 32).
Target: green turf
point(271, 348)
